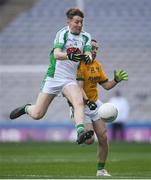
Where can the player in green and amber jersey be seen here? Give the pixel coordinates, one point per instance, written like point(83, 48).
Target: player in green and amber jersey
point(89, 76)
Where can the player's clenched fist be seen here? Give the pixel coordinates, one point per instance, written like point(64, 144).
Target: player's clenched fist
point(91, 104)
point(74, 54)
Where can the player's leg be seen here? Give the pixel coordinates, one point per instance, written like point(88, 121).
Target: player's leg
point(102, 149)
point(74, 94)
point(36, 111)
point(101, 133)
point(89, 126)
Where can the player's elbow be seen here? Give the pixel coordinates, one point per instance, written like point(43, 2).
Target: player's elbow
point(37, 115)
point(57, 53)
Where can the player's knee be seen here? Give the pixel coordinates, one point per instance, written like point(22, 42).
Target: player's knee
point(78, 103)
point(103, 139)
point(37, 115)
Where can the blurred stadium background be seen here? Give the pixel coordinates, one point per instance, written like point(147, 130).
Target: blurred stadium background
point(27, 31)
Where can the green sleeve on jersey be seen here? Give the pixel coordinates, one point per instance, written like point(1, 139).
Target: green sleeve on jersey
point(101, 82)
point(59, 45)
point(87, 49)
point(52, 65)
point(87, 44)
point(80, 79)
point(61, 39)
point(51, 69)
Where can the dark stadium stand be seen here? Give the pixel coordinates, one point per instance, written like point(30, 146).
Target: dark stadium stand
point(9, 9)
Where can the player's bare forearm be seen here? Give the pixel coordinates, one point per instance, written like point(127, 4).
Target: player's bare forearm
point(109, 84)
point(59, 54)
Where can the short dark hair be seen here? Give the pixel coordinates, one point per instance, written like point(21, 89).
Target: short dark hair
point(94, 40)
point(74, 12)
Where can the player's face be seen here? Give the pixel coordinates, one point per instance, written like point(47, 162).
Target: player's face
point(95, 48)
point(75, 24)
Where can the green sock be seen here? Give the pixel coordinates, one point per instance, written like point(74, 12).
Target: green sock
point(100, 166)
point(80, 128)
point(26, 109)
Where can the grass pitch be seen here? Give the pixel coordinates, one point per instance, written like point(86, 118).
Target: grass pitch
point(34, 160)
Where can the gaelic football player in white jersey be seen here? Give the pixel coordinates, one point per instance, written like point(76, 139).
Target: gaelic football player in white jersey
point(71, 45)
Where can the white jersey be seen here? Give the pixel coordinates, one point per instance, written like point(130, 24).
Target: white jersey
point(66, 69)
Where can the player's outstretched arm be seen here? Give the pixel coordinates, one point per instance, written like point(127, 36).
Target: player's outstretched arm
point(120, 75)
